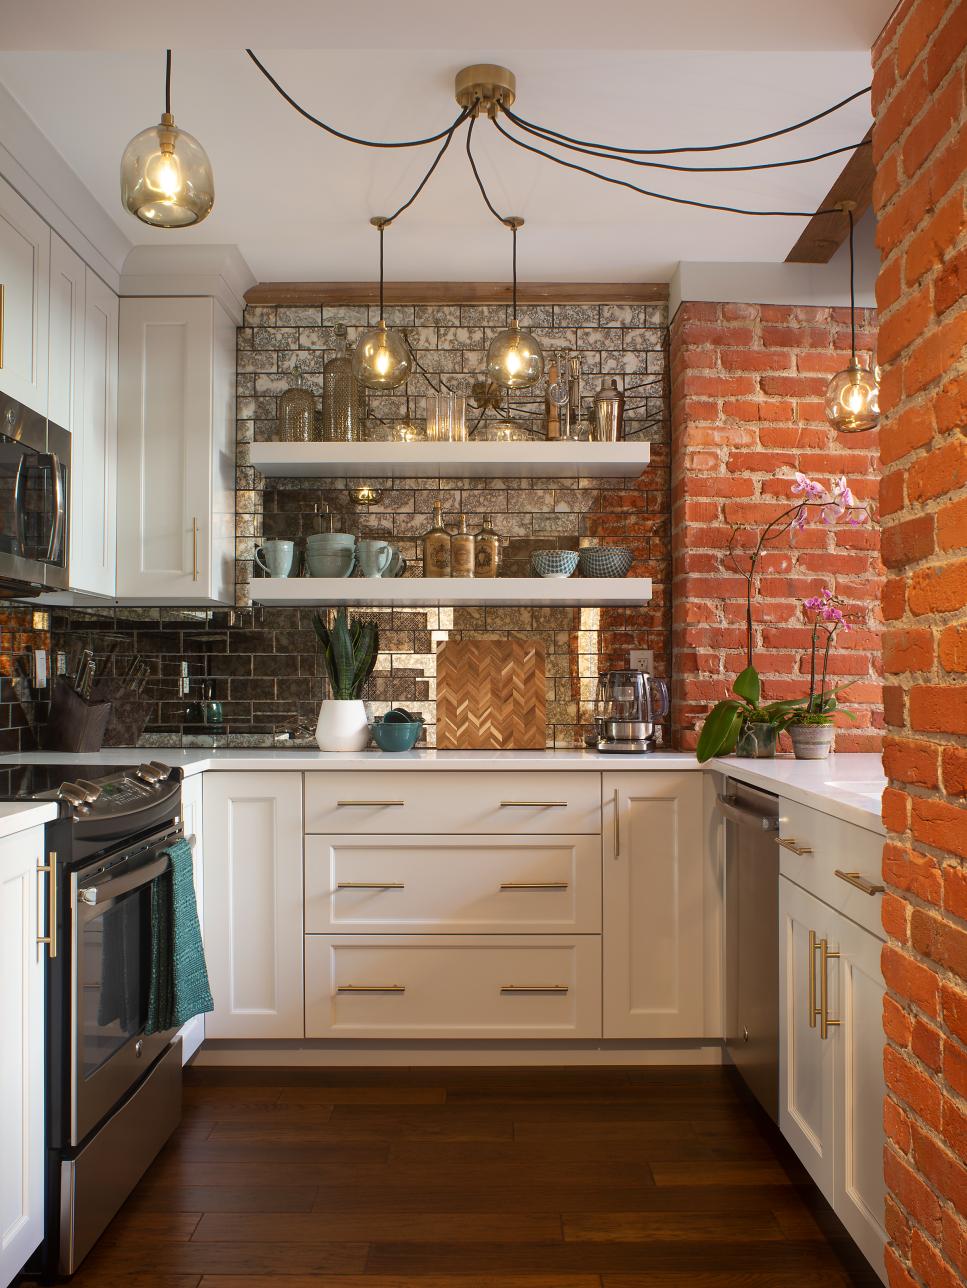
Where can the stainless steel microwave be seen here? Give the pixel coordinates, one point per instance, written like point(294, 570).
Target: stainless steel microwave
point(35, 457)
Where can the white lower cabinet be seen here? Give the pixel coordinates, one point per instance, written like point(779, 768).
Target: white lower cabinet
point(253, 904)
point(453, 986)
point(22, 1142)
point(193, 1033)
point(653, 926)
point(831, 1060)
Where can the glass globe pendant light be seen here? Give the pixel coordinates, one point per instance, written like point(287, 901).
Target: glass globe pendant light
point(853, 395)
point(166, 177)
point(382, 358)
point(515, 359)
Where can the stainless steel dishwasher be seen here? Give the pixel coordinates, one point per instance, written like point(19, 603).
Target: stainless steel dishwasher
point(752, 938)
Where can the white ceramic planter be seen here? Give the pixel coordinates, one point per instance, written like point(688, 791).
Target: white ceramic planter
point(343, 725)
point(812, 742)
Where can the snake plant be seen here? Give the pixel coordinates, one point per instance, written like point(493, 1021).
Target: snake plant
point(350, 651)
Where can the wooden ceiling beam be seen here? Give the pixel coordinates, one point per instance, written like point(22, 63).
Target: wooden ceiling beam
point(824, 234)
point(313, 293)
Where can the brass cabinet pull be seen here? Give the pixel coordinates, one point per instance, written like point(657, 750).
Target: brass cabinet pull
point(788, 843)
point(194, 549)
point(534, 988)
point(370, 885)
point(617, 827)
point(826, 956)
point(371, 988)
point(380, 804)
point(50, 939)
point(533, 804)
point(811, 978)
point(860, 882)
point(533, 885)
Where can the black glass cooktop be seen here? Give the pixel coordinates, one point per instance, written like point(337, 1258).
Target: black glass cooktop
point(28, 782)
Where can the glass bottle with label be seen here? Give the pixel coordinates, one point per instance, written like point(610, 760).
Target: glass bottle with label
point(487, 550)
point(462, 545)
point(436, 546)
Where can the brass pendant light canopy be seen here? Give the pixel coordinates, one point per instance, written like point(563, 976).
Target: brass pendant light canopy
point(515, 359)
point(166, 176)
point(382, 358)
point(485, 88)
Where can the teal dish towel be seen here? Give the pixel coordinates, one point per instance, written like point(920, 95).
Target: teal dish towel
point(179, 977)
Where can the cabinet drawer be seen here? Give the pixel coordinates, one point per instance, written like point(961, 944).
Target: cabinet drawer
point(437, 884)
point(814, 846)
point(453, 801)
point(453, 986)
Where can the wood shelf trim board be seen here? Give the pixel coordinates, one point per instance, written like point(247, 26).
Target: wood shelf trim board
point(312, 293)
point(571, 592)
point(824, 234)
point(537, 459)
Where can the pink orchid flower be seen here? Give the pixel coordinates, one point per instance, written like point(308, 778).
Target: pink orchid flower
point(807, 487)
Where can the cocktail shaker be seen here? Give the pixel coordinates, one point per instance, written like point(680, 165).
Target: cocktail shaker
point(609, 410)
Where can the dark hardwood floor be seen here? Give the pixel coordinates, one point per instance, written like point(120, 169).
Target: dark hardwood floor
point(490, 1178)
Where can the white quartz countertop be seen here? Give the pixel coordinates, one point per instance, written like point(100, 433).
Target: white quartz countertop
point(849, 786)
point(18, 816)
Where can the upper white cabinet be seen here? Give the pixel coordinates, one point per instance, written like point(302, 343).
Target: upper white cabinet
point(21, 1053)
point(65, 357)
point(24, 301)
point(176, 452)
point(653, 859)
point(253, 904)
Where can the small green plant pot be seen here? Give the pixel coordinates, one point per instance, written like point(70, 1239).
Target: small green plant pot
point(757, 741)
point(396, 735)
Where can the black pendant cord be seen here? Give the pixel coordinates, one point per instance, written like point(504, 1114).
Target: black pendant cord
point(513, 297)
point(683, 169)
point(339, 134)
point(708, 147)
point(852, 292)
point(168, 82)
point(661, 196)
point(382, 228)
point(436, 161)
point(480, 184)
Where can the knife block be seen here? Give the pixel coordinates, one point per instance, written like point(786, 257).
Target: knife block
point(74, 723)
point(129, 713)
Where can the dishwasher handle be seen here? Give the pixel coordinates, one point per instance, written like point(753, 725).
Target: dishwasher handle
point(745, 817)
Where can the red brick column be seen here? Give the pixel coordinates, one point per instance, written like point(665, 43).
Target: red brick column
point(747, 385)
point(920, 149)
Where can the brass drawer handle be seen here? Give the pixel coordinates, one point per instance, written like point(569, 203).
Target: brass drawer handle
point(811, 977)
point(860, 882)
point(194, 549)
point(50, 939)
point(533, 885)
point(533, 804)
point(788, 843)
point(371, 988)
point(825, 1023)
point(617, 827)
point(370, 885)
point(380, 804)
point(534, 988)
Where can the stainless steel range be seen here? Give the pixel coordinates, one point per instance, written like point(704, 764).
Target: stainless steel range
point(113, 1090)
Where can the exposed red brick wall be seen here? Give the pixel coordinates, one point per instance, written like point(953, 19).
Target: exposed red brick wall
point(747, 385)
point(920, 149)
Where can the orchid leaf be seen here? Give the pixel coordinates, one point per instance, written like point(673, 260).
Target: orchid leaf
point(721, 724)
point(748, 685)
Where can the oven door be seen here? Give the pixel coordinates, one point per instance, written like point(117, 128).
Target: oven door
point(34, 498)
point(111, 977)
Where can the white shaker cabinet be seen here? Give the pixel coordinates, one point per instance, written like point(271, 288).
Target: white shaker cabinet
point(21, 1052)
point(176, 452)
point(24, 301)
point(65, 356)
point(253, 904)
point(653, 859)
point(193, 1033)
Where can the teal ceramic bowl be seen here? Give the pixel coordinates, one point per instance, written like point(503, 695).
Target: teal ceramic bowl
point(396, 735)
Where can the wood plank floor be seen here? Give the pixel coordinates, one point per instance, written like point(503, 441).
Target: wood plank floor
point(478, 1178)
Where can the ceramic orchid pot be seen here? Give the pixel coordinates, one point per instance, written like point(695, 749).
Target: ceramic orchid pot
point(812, 742)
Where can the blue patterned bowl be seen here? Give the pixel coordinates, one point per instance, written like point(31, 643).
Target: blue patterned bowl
point(554, 563)
point(606, 561)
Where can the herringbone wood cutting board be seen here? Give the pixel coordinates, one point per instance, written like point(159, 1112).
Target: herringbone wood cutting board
point(490, 695)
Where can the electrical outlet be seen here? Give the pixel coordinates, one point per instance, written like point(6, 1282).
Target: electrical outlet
point(642, 659)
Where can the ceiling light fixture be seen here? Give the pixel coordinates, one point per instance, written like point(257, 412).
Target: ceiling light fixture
point(853, 395)
point(382, 358)
point(166, 177)
point(515, 358)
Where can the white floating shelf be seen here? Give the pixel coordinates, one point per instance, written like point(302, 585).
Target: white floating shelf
point(570, 592)
point(535, 459)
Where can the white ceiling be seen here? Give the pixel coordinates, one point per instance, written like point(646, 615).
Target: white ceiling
point(297, 202)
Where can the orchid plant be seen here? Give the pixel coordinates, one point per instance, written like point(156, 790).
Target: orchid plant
point(827, 618)
point(725, 722)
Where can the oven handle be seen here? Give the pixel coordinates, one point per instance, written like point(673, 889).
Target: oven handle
point(109, 888)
